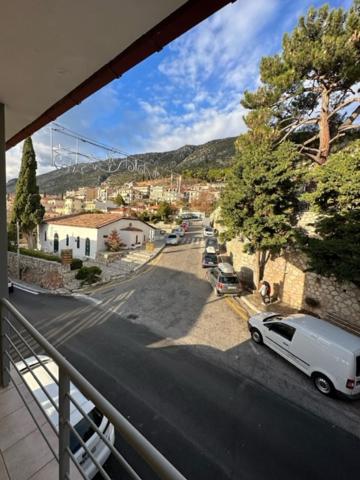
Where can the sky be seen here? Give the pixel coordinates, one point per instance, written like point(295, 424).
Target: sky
point(189, 93)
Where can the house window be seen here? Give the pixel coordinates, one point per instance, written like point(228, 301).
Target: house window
point(45, 236)
point(56, 243)
point(87, 247)
point(67, 240)
point(78, 242)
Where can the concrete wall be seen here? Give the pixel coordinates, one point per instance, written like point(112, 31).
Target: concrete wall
point(50, 275)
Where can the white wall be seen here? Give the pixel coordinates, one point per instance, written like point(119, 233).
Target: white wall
point(97, 236)
point(73, 232)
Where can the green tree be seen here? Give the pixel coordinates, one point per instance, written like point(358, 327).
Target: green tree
point(164, 210)
point(261, 198)
point(308, 91)
point(27, 210)
point(119, 200)
point(334, 250)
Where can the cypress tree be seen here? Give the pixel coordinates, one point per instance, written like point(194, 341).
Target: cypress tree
point(28, 210)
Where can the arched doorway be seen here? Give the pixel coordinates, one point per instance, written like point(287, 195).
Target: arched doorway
point(87, 247)
point(56, 243)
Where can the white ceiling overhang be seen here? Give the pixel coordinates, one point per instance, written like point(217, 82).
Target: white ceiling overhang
point(54, 54)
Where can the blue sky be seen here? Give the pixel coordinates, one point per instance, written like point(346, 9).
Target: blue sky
point(189, 93)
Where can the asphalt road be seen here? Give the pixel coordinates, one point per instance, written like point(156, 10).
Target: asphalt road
point(165, 352)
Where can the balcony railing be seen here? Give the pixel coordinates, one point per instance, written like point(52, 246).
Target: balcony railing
point(20, 340)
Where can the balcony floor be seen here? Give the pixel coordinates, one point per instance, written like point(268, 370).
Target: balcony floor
point(24, 454)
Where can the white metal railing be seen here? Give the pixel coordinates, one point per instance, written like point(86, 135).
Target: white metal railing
point(17, 336)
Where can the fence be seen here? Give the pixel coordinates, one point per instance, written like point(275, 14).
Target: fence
point(19, 342)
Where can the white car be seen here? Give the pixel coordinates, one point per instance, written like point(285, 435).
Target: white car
point(172, 239)
point(179, 231)
point(92, 440)
point(208, 232)
point(324, 352)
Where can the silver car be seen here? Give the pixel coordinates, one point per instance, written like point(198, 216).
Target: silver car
point(224, 283)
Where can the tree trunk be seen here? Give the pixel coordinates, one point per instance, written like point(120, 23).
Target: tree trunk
point(324, 133)
point(30, 239)
point(261, 259)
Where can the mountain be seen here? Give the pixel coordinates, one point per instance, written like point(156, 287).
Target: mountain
point(217, 153)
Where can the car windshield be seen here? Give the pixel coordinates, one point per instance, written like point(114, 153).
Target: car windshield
point(273, 317)
point(210, 258)
point(84, 429)
point(231, 279)
point(172, 236)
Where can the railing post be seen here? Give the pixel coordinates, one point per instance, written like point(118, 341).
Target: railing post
point(4, 361)
point(64, 429)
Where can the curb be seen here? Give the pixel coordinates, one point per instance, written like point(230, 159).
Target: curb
point(245, 303)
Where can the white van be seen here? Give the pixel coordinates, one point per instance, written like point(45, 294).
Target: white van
point(92, 440)
point(326, 353)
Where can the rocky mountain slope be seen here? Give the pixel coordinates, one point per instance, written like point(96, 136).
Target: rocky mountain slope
point(216, 153)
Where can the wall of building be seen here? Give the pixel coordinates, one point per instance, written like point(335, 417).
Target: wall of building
point(73, 232)
point(49, 275)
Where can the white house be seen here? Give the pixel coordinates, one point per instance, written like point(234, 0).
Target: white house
point(86, 233)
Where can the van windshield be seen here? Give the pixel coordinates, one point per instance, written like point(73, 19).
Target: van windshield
point(84, 429)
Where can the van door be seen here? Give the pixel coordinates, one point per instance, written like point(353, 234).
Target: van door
point(278, 337)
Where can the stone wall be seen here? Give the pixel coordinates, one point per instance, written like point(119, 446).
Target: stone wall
point(291, 283)
point(46, 274)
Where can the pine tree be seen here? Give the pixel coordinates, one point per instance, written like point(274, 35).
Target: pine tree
point(27, 210)
point(310, 93)
point(261, 198)
point(335, 248)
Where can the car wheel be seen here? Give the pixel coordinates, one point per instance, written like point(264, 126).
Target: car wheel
point(217, 293)
point(323, 384)
point(256, 336)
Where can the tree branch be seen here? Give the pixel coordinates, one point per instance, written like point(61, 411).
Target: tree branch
point(344, 104)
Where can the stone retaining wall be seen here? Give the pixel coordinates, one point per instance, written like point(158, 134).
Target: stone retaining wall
point(300, 289)
point(46, 274)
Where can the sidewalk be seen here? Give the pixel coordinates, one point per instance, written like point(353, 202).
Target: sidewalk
point(253, 304)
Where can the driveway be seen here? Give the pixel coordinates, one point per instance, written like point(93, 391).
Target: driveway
point(177, 361)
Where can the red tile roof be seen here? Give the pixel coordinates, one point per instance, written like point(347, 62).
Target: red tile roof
point(86, 220)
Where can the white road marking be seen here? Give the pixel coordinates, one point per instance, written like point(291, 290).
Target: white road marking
point(25, 289)
point(86, 297)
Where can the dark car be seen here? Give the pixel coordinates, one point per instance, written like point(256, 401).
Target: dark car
point(212, 242)
point(224, 282)
point(209, 260)
point(10, 286)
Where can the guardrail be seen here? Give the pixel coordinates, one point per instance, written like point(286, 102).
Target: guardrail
point(16, 345)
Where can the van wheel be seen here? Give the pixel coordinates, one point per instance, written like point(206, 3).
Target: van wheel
point(256, 336)
point(323, 384)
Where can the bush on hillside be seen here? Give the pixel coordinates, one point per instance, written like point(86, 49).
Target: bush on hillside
point(88, 275)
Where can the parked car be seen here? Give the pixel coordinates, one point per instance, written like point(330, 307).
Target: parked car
point(208, 232)
point(10, 286)
point(226, 267)
point(209, 259)
point(324, 352)
point(90, 437)
point(172, 239)
point(212, 242)
point(179, 231)
point(224, 283)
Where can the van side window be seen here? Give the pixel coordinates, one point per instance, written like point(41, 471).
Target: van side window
point(358, 366)
point(283, 330)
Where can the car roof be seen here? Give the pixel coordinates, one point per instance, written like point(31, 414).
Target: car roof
point(52, 389)
point(325, 330)
point(226, 267)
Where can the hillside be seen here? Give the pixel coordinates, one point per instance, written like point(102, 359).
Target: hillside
point(216, 153)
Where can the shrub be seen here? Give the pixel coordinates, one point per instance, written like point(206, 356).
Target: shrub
point(37, 254)
point(114, 243)
point(76, 263)
point(88, 275)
